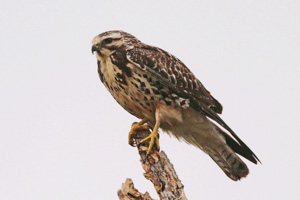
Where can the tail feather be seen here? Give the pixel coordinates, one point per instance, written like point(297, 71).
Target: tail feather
point(229, 162)
point(237, 147)
point(194, 128)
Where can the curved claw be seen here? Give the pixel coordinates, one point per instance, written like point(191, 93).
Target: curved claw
point(137, 127)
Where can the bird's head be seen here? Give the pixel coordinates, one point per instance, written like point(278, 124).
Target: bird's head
point(108, 42)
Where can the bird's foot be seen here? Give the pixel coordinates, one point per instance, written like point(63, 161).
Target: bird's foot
point(154, 139)
point(141, 126)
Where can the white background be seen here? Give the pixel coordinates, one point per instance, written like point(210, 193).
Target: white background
point(62, 136)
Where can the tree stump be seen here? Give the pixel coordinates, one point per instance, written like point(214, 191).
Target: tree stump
point(158, 169)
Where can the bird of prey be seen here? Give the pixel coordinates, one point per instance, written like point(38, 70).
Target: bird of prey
point(159, 89)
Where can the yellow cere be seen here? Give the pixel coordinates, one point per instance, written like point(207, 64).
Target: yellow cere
point(95, 42)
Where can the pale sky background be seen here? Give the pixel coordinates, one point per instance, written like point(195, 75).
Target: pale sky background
point(62, 136)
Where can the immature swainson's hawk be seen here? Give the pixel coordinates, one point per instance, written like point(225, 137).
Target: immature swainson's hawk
point(159, 89)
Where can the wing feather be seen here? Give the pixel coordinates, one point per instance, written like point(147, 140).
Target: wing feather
point(174, 73)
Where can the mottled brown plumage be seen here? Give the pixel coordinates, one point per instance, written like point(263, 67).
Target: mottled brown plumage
point(156, 86)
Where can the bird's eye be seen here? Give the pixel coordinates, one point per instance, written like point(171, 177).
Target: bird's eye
point(107, 41)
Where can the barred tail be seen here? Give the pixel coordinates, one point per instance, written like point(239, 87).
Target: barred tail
point(194, 128)
point(229, 162)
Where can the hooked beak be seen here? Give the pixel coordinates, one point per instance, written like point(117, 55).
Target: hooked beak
point(95, 48)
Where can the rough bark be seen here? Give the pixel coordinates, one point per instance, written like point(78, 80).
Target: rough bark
point(158, 169)
point(128, 192)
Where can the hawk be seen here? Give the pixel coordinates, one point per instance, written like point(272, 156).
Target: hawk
point(159, 89)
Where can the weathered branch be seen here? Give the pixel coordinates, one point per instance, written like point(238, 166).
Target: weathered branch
point(158, 169)
point(128, 192)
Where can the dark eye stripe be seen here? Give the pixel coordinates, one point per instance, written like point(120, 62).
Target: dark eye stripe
point(109, 40)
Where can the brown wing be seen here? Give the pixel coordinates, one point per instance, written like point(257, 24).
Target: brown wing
point(177, 77)
point(173, 71)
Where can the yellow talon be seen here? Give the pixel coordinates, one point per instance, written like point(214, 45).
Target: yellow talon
point(135, 127)
point(154, 138)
